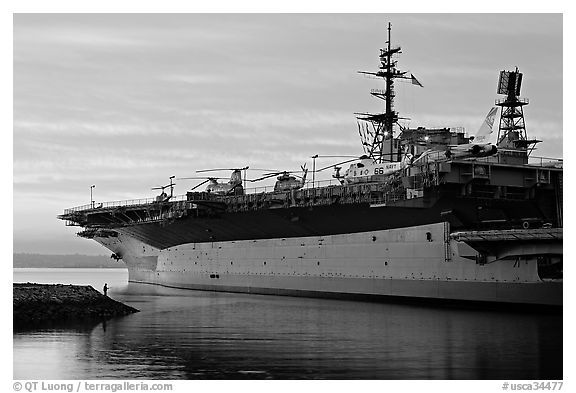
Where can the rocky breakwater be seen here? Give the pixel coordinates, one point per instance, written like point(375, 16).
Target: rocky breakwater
point(37, 304)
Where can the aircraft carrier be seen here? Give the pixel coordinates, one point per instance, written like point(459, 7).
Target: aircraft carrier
point(424, 213)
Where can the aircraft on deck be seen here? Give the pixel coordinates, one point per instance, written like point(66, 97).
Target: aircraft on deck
point(366, 169)
point(287, 180)
point(163, 197)
point(232, 187)
point(478, 148)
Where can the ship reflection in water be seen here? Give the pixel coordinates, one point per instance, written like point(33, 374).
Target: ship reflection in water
point(181, 334)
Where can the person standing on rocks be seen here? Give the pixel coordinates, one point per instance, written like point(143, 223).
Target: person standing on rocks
point(105, 289)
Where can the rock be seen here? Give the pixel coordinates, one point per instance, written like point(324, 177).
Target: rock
point(34, 304)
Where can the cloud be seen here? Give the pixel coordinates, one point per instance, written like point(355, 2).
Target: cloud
point(194, 79)
point(81, 128)
point(482, 24)
point(188, 122)
point(86, 38)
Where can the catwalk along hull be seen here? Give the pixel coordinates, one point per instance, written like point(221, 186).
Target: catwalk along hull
point(421, 261)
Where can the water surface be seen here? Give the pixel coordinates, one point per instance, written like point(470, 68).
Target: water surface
point(183, 334)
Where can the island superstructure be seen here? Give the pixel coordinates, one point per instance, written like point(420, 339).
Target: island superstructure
point(423, 213)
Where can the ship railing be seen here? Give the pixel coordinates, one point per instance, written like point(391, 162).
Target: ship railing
point(259, 190)
point(322, 188)
point(178, 198)
point(322, 183)
point(545, 162)
point(317, 184)
point(532, 161)
point(127, 202)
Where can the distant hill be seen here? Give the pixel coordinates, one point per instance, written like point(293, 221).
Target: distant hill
point(71, 261)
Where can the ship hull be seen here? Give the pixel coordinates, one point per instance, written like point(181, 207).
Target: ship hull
point(420, 262)
point(544, 293)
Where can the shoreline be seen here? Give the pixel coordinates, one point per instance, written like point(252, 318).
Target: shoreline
point(38, 304)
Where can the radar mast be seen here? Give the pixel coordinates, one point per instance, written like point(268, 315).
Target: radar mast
point(377, 130)
point(512, 129)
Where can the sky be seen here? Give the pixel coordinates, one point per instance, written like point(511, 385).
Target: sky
point(124, 101)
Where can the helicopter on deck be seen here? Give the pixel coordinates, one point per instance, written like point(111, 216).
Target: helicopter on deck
point(367, 170)
point(232, 187)
point(286, 181)
point(163, 197)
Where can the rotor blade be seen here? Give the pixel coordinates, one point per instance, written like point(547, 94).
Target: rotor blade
point(203, 177)
point(266, 176)
point(339, 163)
point(198, 185)
point(344, 156)
point(214, 170)
point(222, 169)
point(265, 170)
point(162, 187)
